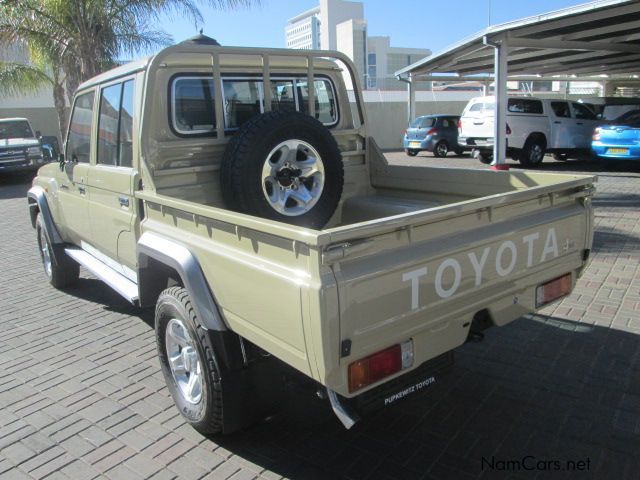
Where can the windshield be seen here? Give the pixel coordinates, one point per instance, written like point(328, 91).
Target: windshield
point(630, 118)
point(18, 129)
point(423, 122)
point(611, 112)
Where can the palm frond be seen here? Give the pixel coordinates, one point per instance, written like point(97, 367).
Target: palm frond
point(18, 79)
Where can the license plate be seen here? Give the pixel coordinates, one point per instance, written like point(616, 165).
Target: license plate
point(414, 144)
point(624, 151)
point(553, 290)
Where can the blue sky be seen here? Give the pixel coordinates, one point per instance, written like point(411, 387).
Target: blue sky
point(432, 24)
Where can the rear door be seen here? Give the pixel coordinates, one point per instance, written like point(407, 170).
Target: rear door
point(113, 179)
point(562, 124)
point(585, 122)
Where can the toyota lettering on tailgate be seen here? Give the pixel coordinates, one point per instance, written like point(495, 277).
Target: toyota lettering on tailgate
point(503, 260)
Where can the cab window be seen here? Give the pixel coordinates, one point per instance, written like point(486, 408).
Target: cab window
point(523, 105)
point(242, 101)
point(115, 126)
point(561, 109)
point(583, 113)
point(325, 101)
point(192, 105)
point(79, 136)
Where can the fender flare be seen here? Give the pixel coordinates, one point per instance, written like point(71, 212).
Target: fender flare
point(179, 258)
point(38, 203)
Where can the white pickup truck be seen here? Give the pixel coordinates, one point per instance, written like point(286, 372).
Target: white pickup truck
point(535, 126)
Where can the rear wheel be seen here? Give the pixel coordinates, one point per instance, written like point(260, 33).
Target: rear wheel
point(61, 270)
point(412, 153)
point(187, 361)
point(441, 149)
point(561, 157)
point(459, 151)
point(532, 154)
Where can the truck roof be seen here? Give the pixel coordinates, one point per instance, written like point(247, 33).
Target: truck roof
point(13, 119)
point(238, 57)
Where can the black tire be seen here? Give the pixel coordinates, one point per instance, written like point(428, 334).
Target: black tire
point(484, 158)
point(532, 154)
point(459, 151)
point(412, 153)
point(206, 416)
point(561, 157)
point(242, 183)
point(441, 149)
point(61, 270)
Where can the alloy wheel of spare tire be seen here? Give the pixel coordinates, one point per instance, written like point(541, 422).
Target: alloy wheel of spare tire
point(285, 166)
point(441, 149)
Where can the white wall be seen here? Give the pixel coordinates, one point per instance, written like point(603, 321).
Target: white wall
point(333, 12)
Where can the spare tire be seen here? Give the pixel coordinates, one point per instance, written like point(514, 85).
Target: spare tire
point(284, 166)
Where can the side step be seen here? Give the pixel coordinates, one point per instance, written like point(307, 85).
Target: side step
point(108, 275)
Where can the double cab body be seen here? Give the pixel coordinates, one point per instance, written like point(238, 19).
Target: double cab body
point(413, 262)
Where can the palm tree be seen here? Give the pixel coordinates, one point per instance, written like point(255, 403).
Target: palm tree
point(70, 41)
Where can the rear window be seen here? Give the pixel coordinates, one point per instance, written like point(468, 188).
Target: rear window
point(524, 105)
point(193, 109)
point(478, 107)
point(17, 129)
point(423, 122)
point(631, 118)
point(193, 102)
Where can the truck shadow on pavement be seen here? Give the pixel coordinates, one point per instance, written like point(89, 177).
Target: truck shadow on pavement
point(540, 393)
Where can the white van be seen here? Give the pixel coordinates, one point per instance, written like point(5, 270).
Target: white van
point(534, 127)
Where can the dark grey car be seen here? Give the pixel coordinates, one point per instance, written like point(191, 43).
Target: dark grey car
point(434, 133)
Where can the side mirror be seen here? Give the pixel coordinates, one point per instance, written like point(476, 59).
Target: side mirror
point(38, 134)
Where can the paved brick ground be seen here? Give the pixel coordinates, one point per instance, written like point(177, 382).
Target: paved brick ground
point(81, 395)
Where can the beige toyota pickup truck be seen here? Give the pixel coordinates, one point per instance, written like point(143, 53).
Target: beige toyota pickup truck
point(237, 191)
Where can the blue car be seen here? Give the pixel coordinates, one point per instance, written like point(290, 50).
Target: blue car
point(620, 139)
point(434, 133)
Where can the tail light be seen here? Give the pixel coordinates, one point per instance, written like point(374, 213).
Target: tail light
point(404, 133)
point(596, 134)
point(553, 290)
point(382, 364)
point(459, 124)
point(432, 131)
point(508, 129)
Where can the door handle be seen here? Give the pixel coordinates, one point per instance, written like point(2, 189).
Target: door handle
point(579, 123)
point(82, 190)
point(557, 121)
point(124, 201)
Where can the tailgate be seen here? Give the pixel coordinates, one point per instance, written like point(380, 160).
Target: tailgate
point(426, 281)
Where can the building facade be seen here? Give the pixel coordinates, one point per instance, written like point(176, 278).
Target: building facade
point(340, 25)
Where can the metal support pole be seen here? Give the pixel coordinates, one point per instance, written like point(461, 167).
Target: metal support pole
point(412, 100)
point(501, 53)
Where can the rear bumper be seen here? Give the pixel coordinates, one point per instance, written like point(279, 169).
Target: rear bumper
point(419, 144)
point(414, 381)
point(632, 152)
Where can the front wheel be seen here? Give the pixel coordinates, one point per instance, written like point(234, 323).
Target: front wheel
point(61, 270)
point(187, 361)
point(441, 149)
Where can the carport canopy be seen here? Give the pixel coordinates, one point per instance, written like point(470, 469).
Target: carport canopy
point(595, 39)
